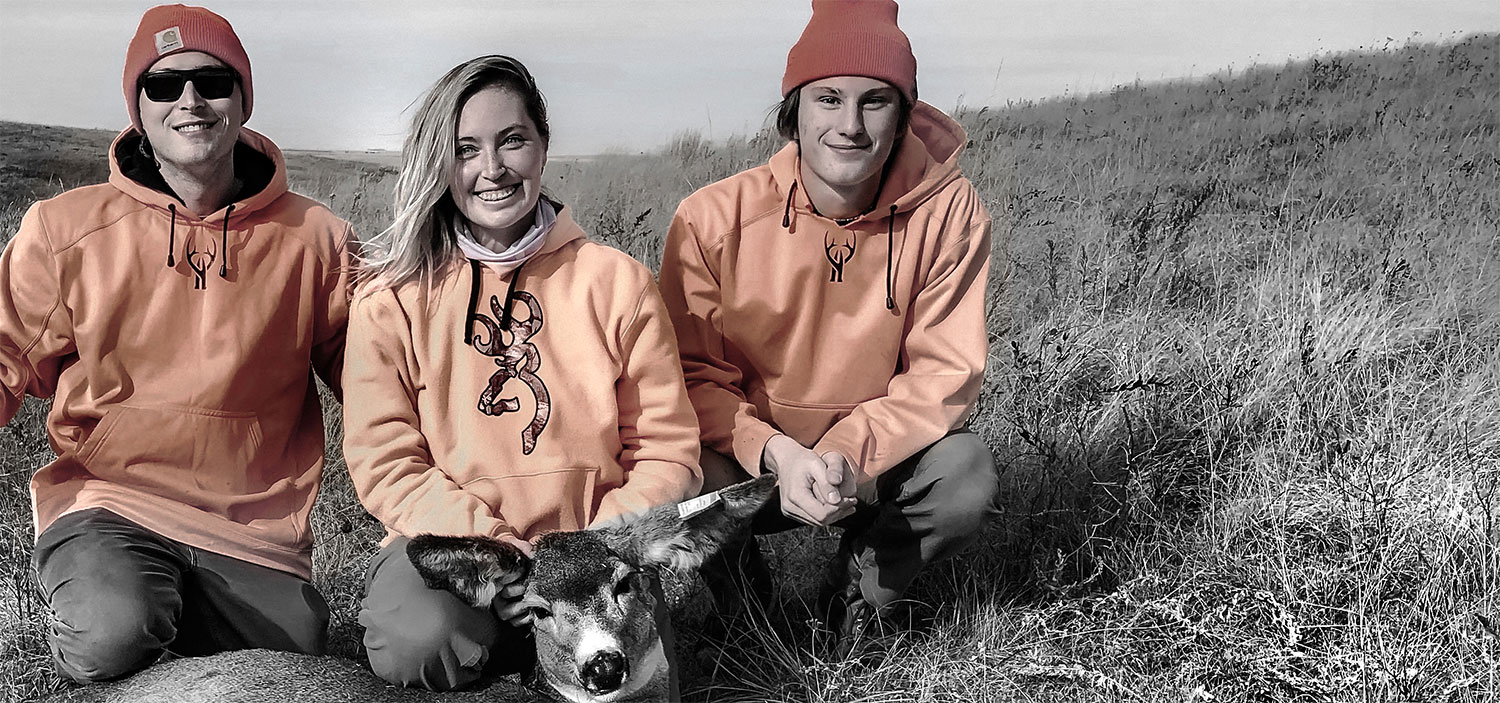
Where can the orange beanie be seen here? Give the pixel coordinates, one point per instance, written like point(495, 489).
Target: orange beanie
point(852, 38)
point(169, 29)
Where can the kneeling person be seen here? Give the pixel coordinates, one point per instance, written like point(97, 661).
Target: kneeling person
point(829, 309)
point(175, 313)
point(507, 376)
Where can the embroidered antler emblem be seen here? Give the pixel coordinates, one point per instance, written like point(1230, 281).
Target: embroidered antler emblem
point(200, 259)
point(837, 253)
point(519, 359)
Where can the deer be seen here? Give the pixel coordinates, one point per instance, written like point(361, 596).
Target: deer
point(591, 594)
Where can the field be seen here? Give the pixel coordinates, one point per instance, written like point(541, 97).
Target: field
point(1244, 388)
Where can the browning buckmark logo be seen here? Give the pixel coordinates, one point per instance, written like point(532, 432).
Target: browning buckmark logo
point(518, 359)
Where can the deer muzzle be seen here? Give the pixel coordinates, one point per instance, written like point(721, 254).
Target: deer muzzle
point(604, 672)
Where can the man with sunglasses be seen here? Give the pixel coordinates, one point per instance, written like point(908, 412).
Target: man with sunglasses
point(176, 314)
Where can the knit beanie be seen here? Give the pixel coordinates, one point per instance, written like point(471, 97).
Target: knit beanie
point(852, 38)
point(170, 29)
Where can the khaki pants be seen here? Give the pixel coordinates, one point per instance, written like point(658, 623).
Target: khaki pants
point(121, 595)
point(923, 510)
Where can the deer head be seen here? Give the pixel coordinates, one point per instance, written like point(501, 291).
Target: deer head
point(591, 593)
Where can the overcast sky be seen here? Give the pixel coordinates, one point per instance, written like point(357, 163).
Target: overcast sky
point(628, 74)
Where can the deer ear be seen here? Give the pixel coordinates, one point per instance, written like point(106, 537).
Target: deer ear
point(683, 535)
point(472, 568)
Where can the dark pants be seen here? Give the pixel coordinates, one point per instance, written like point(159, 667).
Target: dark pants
point(420, 636)
point(121, 595)
point(923, 510)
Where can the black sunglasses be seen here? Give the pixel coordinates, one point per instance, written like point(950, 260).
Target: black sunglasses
point(211, 83)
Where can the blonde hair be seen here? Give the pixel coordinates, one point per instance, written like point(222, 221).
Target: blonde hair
point(420, 240)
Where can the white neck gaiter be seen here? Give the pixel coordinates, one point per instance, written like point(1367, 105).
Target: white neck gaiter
point(516, 254)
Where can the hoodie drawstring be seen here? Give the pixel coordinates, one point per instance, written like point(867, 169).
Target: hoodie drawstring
point(786, 223)
point(786, 215)
point(224, 246)
point(171, 234)
point(510, 295)
point(473, 300)
point(890, 253)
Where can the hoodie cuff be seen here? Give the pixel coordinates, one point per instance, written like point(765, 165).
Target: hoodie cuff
point(493, 527)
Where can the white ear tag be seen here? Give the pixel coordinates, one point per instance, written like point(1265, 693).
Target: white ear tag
point(694, 506)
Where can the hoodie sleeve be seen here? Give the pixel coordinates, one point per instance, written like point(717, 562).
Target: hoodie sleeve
point(35, 332)
point(333, 317)
point(942, 358)
point(690, 289)
point(389, 461)
point(658, 432)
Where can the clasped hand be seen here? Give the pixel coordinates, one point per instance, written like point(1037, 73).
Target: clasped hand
point(816, 490)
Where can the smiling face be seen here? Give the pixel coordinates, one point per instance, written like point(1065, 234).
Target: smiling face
point(846, 127)
point(192, 133)
point(497, 168)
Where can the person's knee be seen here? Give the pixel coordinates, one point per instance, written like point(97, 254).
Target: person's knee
point(420, 644)
point(110, 639)
point(967, 485)
point(309, 635)
point(426, 658)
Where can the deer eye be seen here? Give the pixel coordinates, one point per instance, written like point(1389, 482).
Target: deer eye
point(539, 612)
point(632, 581)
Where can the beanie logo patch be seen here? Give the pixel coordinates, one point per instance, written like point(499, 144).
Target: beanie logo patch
point(169, 39)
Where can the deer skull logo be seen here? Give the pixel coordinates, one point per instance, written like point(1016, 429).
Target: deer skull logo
point(838, 253)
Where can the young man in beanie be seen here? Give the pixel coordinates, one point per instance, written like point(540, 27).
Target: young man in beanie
point(829, 308)
point(175, 314)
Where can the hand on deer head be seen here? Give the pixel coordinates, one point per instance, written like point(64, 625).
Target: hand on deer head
point(592, 595)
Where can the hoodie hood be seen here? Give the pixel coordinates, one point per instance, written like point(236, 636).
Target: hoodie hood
point(257, 160)
point(926, 161)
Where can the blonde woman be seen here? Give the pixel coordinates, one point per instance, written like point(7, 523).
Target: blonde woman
point(505, 376)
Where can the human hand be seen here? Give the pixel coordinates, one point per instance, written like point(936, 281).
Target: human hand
point(517, 542)
point(843, 477)
point(508, 604)
point(812, 492)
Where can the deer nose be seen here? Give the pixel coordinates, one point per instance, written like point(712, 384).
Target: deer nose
point(604, 672)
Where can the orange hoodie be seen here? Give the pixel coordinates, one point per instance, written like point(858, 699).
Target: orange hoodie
point(578, 414)
point(867, 339)
point(184, 396)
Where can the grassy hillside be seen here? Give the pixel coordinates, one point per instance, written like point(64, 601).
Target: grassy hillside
point(1244, 383)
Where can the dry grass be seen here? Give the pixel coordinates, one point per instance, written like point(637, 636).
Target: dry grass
point(1244, 382)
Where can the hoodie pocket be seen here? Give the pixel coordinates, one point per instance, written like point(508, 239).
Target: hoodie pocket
point(804, 422)
point(561, 499)
point(201, 457)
